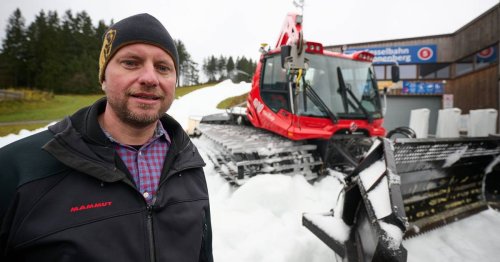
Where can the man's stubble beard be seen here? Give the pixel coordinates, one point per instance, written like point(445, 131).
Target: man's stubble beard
point(138, 120)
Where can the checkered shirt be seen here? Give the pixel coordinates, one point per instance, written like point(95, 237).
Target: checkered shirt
point(145, 164)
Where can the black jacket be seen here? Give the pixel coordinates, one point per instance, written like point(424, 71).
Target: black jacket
point(65, 195)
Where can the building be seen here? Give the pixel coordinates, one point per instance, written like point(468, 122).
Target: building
point(459, 69)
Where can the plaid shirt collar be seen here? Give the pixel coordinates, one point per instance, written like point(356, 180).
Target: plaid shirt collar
point(145, 164)
point(159, 132)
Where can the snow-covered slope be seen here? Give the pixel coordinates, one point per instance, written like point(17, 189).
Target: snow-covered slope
point(261, 220)
point(204, 101)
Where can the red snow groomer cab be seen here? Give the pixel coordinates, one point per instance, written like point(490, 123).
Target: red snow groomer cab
point(303, 92)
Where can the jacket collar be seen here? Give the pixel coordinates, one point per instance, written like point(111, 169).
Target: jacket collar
point(80, 143)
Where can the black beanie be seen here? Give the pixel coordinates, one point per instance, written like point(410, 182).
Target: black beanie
point(141, 28)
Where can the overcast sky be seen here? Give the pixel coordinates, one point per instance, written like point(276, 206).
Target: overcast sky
point(234, 27)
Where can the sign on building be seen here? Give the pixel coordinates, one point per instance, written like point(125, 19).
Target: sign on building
point(411, 54)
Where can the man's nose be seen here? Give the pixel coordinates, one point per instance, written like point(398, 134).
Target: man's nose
point(148, 76)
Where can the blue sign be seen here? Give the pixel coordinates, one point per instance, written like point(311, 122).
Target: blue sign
point(412, 54)
point(422, 88)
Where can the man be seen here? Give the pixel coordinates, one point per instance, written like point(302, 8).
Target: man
point(117, 181)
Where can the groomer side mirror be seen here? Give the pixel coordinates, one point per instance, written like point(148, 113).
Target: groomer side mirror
point(285, 52)
point(395, 73)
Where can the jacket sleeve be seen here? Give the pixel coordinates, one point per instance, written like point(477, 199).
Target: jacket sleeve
point(8, 184)
point(20, 162)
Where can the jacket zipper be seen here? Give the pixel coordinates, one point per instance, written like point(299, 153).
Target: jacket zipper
point(152, 255)
point(203, 255)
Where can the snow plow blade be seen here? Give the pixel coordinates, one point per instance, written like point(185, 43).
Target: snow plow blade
point(369, 221)
point(443, 180)
point(428, 183)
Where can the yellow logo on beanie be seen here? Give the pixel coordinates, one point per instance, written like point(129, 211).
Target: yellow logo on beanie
point(107, 45)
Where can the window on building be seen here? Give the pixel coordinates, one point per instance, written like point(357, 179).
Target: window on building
point(379, 72)
point(433, 71)
point(405, 72)
point(464, 66)
point(444, 72)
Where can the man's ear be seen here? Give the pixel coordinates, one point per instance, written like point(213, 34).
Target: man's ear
point(103, 86)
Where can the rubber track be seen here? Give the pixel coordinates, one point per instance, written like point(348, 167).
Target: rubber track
point(240, 152)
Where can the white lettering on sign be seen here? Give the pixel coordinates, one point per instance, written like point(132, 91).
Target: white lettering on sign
point(390, 51)
point(392, 58)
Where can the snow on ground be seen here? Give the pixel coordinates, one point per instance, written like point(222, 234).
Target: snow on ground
point(204, 101)
point(22, 134)
point(261, 220)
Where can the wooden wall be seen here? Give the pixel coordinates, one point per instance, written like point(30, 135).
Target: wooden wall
point(476, 90)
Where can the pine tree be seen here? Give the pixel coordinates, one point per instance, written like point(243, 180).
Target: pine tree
point(14, 50)
point(245, 69)
point(192, 74)
point(221, 67)
point(188, 73)
point(229, 65)
point(46, 48)
point(81, 54)
point(210, 68)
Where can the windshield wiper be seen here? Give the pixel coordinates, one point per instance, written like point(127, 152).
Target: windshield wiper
point(345, 99)
point(319, 102)
point(374, 83)
point(342, 90)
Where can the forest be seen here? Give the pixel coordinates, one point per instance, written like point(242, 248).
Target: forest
point(60, 54)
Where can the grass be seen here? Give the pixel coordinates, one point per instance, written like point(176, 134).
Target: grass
point(232, 101)
point(44, 110)
point(181, 91)
point(52, 109)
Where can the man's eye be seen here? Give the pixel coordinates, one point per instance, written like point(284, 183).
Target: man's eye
point(163, 68)
point(129, 63)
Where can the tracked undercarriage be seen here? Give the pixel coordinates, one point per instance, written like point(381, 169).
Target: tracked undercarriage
point(240, 152)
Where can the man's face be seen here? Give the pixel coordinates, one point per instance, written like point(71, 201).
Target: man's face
point(139, 84)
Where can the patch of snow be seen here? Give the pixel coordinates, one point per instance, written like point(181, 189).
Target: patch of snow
point(380, 199)
point(454, 157)
point(204, 101)
point(371, 174)
point(5, 140)
point(332, 225)
point(379, 196)
point(394, 234)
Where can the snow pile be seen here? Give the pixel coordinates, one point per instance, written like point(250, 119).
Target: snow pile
point(22, 134)
point(261, 220)
point(204, 101)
